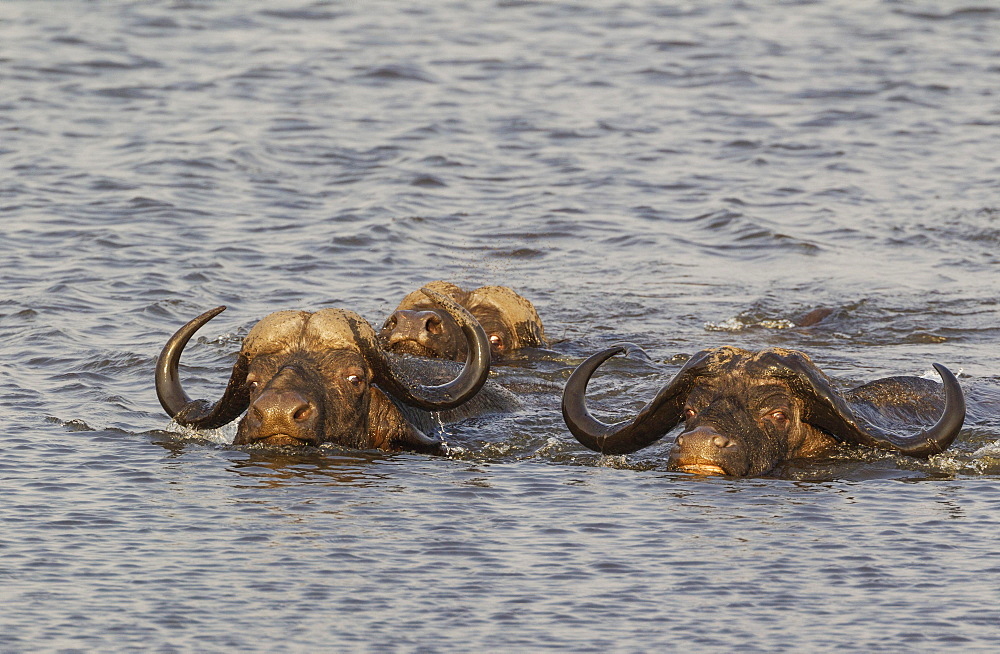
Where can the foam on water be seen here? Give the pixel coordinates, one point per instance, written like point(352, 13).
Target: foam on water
point(738, 324)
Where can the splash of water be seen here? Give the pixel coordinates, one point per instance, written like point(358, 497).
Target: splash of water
point(738, 324)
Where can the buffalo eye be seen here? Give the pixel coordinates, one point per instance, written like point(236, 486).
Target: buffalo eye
point(778, 416)
point(496, 341)
point(252, 385)
point(689, 413)
point(355, 380)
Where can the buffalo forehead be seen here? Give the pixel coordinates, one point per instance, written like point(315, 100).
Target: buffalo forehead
point(327, 329)
point(337, 329)
point(771, 362)
point(275, 332)
point(417, 299)
point(754, 375)
point(512, 308)
point(506, 301)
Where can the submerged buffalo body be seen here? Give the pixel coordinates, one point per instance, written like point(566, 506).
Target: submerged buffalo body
point(746, 412)
point(419, 327)
point(310, 378)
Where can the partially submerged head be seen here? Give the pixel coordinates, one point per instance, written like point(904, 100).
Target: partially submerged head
point(419, 327)
point(745, 412)
point(307, 378)
point(742, 419)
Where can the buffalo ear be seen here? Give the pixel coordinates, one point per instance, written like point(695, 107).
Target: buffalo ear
point(830, 411)
point(823, 406)
point(389, 430)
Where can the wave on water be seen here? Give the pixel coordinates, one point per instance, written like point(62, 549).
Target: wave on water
point(221, 436)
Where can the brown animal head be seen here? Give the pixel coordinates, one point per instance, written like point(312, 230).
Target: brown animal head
point(746, 412)
point(310, 378)
point(418, 327)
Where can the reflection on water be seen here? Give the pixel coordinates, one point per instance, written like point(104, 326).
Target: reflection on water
point(273, 469)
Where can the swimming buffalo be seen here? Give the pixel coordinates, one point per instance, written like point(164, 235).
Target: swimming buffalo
point(311, 378)
point(419, 327)
point(746, 412)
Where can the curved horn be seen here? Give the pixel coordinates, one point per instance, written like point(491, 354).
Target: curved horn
point(651, 423)
point(198, 414)
point(831, 412)
point(418, 441)
point(446, 396)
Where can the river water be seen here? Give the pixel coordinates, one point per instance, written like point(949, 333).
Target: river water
point(681, 175)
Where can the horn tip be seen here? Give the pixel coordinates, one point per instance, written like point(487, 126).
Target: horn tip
point(211, 313)
point(942, 370)
point(632, 351)
point(432, 294)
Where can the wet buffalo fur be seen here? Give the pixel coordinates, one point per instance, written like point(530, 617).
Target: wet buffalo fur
point(492, 399)
point(742, 418)
point(351, 410)
point(326, 368)
point(744, 413)
point(312, 378)
point(418, 327)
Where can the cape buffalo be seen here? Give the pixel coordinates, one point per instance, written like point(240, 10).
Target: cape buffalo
point(312, 378)
point(746, 412)
point(418, 327)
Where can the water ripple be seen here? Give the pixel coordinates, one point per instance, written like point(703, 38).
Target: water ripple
point(677, 176)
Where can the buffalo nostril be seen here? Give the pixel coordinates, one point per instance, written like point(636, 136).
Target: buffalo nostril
point(433, 325)
point(277, 407)
point(302, 413)
point(721, 442)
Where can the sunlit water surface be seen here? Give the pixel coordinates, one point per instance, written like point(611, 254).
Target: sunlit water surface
point(680, 175)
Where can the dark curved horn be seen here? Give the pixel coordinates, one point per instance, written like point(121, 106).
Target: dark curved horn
point(446, 396)
point(651, 424)
point(198, 414)
point(417, 441)
point(832, 413)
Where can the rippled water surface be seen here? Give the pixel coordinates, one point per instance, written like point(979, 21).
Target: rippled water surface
point(681, 175)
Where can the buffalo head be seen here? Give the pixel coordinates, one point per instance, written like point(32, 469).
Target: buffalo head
point(746, 412)
point(310, 378)
point(419, 327)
